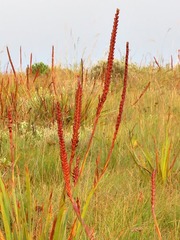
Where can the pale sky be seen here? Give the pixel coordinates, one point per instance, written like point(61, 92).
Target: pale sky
point(81, 29)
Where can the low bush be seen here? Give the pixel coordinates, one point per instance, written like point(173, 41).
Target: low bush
point(99, 70)
point(40, 67)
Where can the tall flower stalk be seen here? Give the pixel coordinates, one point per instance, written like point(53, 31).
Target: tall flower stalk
point(103, 97)
point(118, 120)
point(77, 122)
point(63, 153)
point(109, 65)
point(121, 106)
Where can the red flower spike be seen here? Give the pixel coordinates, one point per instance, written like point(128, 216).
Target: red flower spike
point(63, 153)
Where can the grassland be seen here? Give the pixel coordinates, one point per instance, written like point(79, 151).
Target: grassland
point(121, 206)
point(43, 197)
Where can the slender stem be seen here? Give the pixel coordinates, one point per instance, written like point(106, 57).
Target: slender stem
point(153, 193)
point(12, 152)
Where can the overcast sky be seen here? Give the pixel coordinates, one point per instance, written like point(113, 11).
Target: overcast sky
point(81, 29)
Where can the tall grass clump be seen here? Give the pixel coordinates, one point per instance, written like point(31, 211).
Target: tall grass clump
point(163, 157)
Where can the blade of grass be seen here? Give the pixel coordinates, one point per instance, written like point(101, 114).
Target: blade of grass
point(29, 201)
point(5, 210)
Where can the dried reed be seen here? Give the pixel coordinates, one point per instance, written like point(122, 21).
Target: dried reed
point(30, 64)
point(143, 92)
point(20, 60)
point(27, 77)
point(53, 72)
point(82, 72)
point(14, 95)
point(10, 60)
point(156, 62)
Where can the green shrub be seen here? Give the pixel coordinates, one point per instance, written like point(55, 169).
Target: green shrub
point(40, 67)
point(99, 70)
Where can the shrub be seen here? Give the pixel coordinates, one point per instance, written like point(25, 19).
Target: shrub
point(40, 67)
point(99, 69)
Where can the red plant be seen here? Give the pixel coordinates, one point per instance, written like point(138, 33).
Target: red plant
point(119, 117)
point(77, 122)
point(109, 64)
point(121, 106)
point(63, 153)
point(103, 97)
point(75, 173)
point(66, 174)
point(66, 168)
